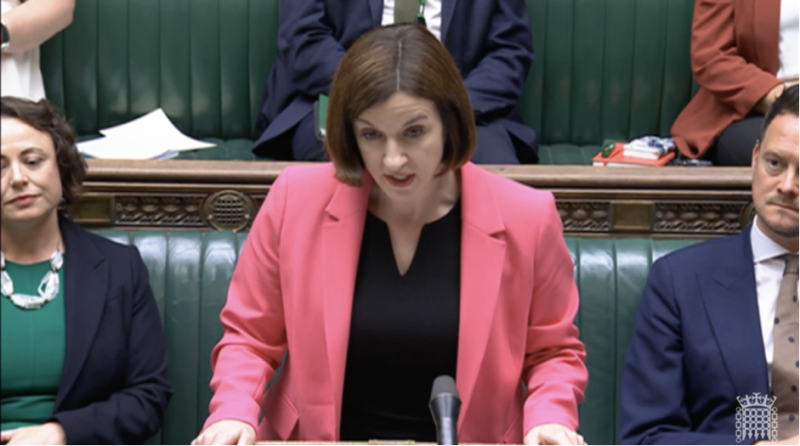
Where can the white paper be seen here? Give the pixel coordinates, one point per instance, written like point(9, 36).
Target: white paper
point(155, 128)
point(120, 148)
point(152, 136)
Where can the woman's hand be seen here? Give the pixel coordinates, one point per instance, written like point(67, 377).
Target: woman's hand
point(47, 433)
point(227, 432)
point(553, 434)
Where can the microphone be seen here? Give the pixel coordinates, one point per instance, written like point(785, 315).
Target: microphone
point(445, 405)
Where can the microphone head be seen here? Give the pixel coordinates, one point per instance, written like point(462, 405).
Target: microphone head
point(444, 385)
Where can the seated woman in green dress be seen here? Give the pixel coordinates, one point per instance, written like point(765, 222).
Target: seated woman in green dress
point(82, 354)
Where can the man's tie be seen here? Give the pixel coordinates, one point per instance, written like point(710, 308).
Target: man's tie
point(785, 359)
point(405, 11)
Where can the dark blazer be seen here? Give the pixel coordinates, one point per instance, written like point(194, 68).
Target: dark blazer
point(114, 387)
point(490, 41)
point(696, 346)
point(734, 55)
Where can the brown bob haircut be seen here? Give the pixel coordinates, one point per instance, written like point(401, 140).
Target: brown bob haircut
point(386, 60)
point(44, 116)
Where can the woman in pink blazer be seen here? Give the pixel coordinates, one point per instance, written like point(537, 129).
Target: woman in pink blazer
point(399, 262)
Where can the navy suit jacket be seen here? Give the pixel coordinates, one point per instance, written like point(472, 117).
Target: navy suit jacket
point(114, 387)
point(490, 41)
point(696, 346)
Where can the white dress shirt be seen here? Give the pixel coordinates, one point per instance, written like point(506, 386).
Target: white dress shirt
point(21, 75)
point(769, 274)
point(788, 68)
point(433, 15)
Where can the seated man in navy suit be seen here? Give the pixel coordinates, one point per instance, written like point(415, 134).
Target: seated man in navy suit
point(714, 349)
point(489, 40)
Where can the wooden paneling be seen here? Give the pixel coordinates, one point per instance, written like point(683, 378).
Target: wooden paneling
point(592, 201)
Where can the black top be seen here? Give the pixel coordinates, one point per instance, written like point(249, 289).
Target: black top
point(403, 333)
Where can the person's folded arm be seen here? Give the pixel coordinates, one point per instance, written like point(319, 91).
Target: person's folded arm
point(35, 21)
point(496, 82)
point(307, 45)
point(718, 66)
point(254, 338)
point(554, 369)
point(135, 412)
point(653, 389)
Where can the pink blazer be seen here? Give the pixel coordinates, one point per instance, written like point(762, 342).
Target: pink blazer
point(293, 288)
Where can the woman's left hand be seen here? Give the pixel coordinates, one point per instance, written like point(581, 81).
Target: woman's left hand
point(48, 433)
point(553, 434)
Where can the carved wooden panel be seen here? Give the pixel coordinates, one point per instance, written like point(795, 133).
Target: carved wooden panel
point(632, 216)
point(699, 217)
point(233, 210)
point(157, 210)
point(229, 210)
point(712, 218)
point(664, 202)
point(584, 216)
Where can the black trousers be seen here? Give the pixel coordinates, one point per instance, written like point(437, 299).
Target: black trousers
point(735, 146)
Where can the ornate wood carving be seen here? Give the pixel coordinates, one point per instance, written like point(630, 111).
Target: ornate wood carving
point(708, 217)
point(159, 210)
point(229, 210)
point(664, 202)
point(747, 215)
point(657, 217)
point(584, 216)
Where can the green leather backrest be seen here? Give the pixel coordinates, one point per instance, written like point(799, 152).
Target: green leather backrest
point(189, 275)
point(607, 69)
point(203, 61)
point(190, 272)
point(610, 274)
point(604, 68)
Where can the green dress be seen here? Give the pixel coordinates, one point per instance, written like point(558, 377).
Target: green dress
point(32, 349)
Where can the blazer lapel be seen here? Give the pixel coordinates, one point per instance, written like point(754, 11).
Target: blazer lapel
point(732, 304)
point(766, 15)
point(342, 235)
point(376, 11)
point(85, 289)
point(448, 8)
point(483, 250)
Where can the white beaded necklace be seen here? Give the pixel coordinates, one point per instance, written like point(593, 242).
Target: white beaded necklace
point(48, 288)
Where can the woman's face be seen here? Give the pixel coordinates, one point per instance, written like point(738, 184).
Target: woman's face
point(31, 184)
point(401, 141)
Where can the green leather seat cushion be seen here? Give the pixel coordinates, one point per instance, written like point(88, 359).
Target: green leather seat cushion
point(227, 150)
point(567, 154)
point(239, 149)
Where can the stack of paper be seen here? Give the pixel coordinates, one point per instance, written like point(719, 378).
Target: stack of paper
point(152, 136)
point(649, 147)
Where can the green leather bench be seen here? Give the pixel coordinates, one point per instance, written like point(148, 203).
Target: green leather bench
point(604, 69)
point(190, 270)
